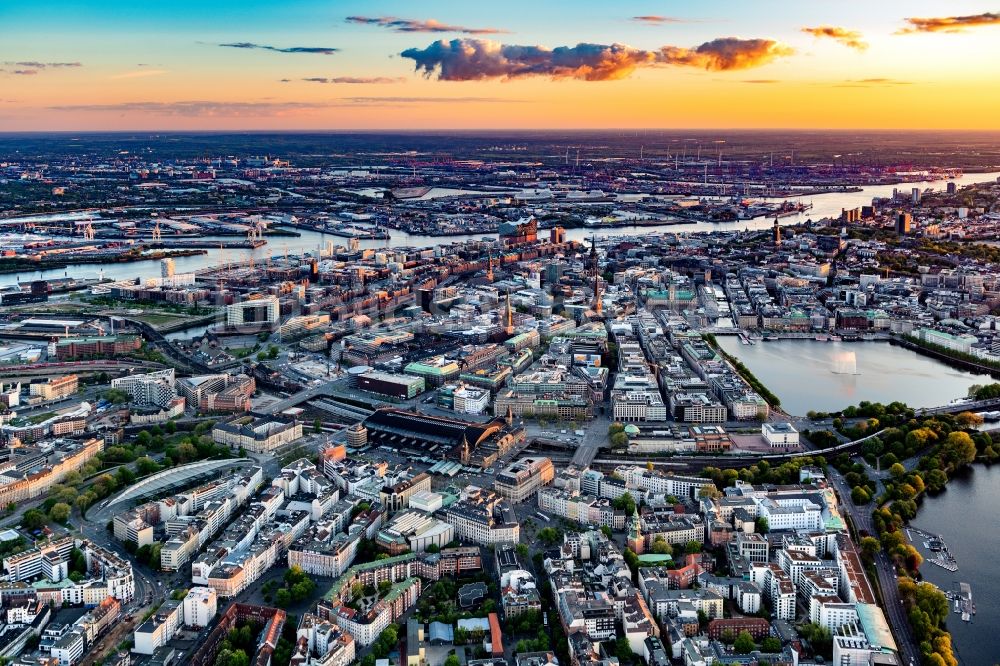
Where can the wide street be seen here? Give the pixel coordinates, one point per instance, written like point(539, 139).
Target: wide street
point(885, 569)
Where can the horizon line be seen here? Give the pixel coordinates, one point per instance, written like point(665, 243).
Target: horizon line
point(993, 130)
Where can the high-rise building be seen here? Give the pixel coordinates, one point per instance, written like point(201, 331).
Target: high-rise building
point(167, 268)
point(903, 221)
point(915, 195)
point(952, 187)
point(557, 235)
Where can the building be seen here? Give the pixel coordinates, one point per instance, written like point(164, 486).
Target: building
point(520, 480)
point(780, 435)
point(55, 388)
point(159, 628)
point(414, 531)
point(903, 222)
point(257, 433)
point(482, 517)
point(403, 387)
point(200, 607)
point(397, 496)
point(149, 389)
point(257, 312)
point(461, 441)
point(92, 347)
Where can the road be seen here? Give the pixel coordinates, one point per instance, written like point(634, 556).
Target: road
point(885, 569)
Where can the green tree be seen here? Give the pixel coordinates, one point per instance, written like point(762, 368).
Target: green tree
point(59, 513)
point(452, 660)
point(146, 465)
point(770, 644)
point(548, 535)
point(317, 426)
point(693, 546)
point(282, 598)
point(625, 502)
point(744, 643)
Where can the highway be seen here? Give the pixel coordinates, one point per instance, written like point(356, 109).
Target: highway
point(885, 569)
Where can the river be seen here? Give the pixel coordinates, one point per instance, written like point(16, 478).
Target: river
point(824, 205)
point(820, 376)
point(974, 496)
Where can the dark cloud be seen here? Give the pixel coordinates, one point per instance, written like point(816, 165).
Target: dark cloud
point(33, 67)
point(850, 38)
point(477, 59)
point(354, 79)
point(321, 50)
point(415, 25)
point(653, 19)
point(950, 23)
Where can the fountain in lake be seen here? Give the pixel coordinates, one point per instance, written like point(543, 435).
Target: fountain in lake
point(845, 363)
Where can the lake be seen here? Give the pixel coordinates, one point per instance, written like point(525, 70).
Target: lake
point(828, 376)
point(973, 495)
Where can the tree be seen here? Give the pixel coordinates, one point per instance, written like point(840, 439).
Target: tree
point(317, 426)
point(661, 547)
point(762, 525)
point(283, 598)
point(59, 513)
point(146, 465)
point(452, 660)
point(548, 535)
point(624, 502)
point(521, 550)
point(869, 546)
point(959, 449)
point(693, 546)
point(770, 644)
point(897, 471)
point(968, 420)
point(744, 643)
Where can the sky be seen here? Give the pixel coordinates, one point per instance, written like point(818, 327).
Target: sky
point(582, 64)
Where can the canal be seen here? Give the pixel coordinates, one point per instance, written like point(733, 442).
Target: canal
point(828, 376)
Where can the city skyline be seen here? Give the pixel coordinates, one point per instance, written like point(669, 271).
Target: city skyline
point(305, 65)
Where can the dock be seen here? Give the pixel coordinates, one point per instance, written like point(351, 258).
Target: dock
point(934, 543)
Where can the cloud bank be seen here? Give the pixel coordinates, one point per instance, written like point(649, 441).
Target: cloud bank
point(478, 59)
point(849, 38)
point(321, 50)
point(950, 23)
point(397, 24)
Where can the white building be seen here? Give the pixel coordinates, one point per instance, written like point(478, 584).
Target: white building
point(780, 435)
point(200, 607)
point(151, 388)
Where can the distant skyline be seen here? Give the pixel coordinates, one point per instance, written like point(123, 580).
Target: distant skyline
point(343, 65)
